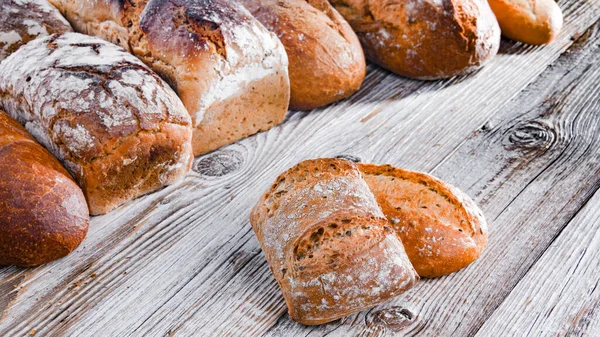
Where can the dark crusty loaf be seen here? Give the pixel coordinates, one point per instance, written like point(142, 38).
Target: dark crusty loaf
point(424, 39)
point(114, 124)
point(229, 71)
point(441, 227)
point(24, 20)
point(326, 61)
point(43, 213)
point(327, 242)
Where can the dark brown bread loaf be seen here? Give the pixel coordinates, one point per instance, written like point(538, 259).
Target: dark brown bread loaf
point(115, 125)
point(424, 39)
point(326, 61)
point(43, 213)
point(441, 227)
point(328, 243)
point(24, 20)
point(229, 71)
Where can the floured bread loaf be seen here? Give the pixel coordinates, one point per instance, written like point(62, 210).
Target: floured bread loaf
point(24, 20)
point(441, 227)
point(326, 61)
point(229, 71)
point(115, 125)
point(424, 39)
point(327, 242)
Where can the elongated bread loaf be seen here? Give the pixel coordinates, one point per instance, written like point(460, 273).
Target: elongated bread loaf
point(327, 242)
point(115, 125)
point(229, 71)
point(326, 60)
point(43, 213)
point(441, 227)
point(424, 39)
point(24, 20)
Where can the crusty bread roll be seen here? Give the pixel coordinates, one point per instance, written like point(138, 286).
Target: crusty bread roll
point(326, 61)
point(24, 20)
point(43, 213)
point(230, 72)
point(424, 39)
point(528, 21)
point(114, 124)
point(441, 227)
point(328, 243)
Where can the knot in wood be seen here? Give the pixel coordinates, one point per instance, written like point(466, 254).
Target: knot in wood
point(219, 163)
point(530, 135)
point(349, 157)
point(394, 318)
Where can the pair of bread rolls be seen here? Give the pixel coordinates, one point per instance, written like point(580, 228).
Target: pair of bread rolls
point(340, 237)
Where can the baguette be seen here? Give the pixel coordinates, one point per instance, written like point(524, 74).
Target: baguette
point(43, 213)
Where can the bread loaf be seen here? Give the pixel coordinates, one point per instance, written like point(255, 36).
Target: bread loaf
point(326, 61)
point(528, 21)
point(24, 20)
point(43, 214)
point(441, 227)
point(424, 39)
point(327, 242)
point(229, 71)
point(114, 124)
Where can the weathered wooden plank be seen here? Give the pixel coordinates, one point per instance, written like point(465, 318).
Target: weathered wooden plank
point(185, 260)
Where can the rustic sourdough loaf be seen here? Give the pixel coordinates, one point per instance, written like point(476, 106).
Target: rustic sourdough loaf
point(529, 21)
point(24, 20)
point(327, 242)
point(114, 124)
point(326, 61)
point(43, 214)
point(424, 39)
point(441, 227)
point(229, 71)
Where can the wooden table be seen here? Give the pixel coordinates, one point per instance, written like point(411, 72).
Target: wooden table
point(521, 136)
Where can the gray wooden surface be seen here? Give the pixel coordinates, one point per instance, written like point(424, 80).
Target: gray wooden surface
point(521, 136)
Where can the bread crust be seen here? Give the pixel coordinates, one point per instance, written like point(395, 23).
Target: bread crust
point(534, 22)
point(228, 70)
point(441, 228)
point(326, 61)
point(424, 39)
point(114, 124)
point(25, 20)
point(327, 242)
point(43, 213)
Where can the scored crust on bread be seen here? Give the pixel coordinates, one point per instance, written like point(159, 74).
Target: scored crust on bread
point(441, 227)
point(327, 242)
point(229, 70)
point(424, 39)
point(113, 123)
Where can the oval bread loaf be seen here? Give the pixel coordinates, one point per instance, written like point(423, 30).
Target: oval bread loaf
point(43, 213)
point(424, 39)
point(24, 20)
point(441, 227)
point(327, 242)
point(115, 125)
point(528, 21)
point(326, 61)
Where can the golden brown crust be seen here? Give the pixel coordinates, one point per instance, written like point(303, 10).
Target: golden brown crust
point(441, 228)
point(529, 21)
point(327, 242)
point(326, 61)
point(43, 214)
point(424, 39)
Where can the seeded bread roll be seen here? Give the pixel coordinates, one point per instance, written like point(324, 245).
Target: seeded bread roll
point(24, 20)
point(229, 71)
point(326, 60)
point(441, 227)
point(424, 39)
point(113, 123)
point(43, 214)
point(327, 242)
